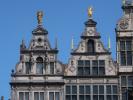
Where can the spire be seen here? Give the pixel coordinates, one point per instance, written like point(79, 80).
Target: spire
point(109, 43)
point(72, 44)
point(56, 43)
point(22, 46)
point(39, 17)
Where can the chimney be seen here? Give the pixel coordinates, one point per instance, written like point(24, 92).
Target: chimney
point(2, 97)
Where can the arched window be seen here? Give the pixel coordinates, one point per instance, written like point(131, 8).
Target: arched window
point(90, 46)
point(39, 65)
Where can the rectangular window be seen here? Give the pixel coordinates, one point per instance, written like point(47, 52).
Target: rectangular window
point(74, 89)
point(83, 67)
point(68, 90)
point(87, 90)
point(81, 89)
point(51, 67)
point(41, 95)
point(108, 89)
point(98, 67)
point(28, 67)
point(57, 96)
point(26, 95)
point(95, 89)
point(101, 89)
point(39, 68)
point(71, 92)
point(115, 90)
point(126, 53)
point(123, 58)
point(122, 45)
point(36, 96)
point(129, 58)
point(123, 81)
point(51, 95)
point(128, 45)
point(23, 95)
point(130, 81)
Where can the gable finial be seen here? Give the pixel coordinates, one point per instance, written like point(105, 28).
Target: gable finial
point(123, 2)
point(90, 12)
point(39, 17)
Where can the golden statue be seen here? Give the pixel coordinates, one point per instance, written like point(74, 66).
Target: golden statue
point(90, 11)
point(39, 17)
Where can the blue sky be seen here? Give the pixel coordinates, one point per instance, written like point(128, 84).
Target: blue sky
point(62, 18)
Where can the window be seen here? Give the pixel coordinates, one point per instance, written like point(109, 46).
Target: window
point(23, 95)
point(54, 96)
point(127, 87)
point(71, 92)
point(28, 67)
point(92, 92)
point(51, 67)
point(90, 46)
point(98, 67)
point(112, 92)
point(84, 92)
point(98, 92)
point(126, 53)
point(83, 67)
point(39, 65)
point(39, 96)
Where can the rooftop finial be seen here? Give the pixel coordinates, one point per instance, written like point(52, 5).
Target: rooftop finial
point(39, 17)
point(123, 2)
point(90, 12)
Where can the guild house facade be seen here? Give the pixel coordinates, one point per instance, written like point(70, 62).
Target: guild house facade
point(91, 73)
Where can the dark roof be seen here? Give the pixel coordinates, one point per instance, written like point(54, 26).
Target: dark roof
point(90, 23)
point(39, 31)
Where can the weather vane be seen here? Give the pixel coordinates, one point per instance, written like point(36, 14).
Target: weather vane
point(90, 11)
point(39, 17)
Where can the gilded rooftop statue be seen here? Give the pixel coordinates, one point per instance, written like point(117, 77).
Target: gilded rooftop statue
point(39, 17)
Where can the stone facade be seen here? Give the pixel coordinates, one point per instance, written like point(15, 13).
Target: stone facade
point(91, 73)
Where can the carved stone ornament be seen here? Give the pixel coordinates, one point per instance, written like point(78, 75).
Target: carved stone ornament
point(124, 23)
point(72, 69)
